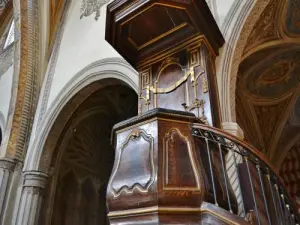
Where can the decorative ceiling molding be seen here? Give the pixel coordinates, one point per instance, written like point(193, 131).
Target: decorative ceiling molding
point(89, 7)
point(242, 36)
point(266, 27)
point(252, 132)
point(273, 77)
point(291, 18)
point(269, 79)
point(278, 43)
point(286, 132)
point(268, 118)
point(294, 119)
point(290, 170)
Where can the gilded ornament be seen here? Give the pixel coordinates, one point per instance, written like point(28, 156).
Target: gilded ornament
point(204, 85)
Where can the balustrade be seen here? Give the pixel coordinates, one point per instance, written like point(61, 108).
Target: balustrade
point(264, 199)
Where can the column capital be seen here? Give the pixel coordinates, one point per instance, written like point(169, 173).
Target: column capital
point(35, 179)
point(233, 128)
point(7, 164)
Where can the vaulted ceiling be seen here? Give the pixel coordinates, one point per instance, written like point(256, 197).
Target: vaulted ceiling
point(268, 88)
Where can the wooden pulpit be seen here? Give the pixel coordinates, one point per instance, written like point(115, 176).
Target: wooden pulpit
point(159, 176)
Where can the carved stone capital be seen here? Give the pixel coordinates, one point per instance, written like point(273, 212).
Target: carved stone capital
point(7, 164)
point(233, 128)
point(35, 180)
point(33, 187)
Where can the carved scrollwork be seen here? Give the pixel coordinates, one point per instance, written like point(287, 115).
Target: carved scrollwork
point(134, 170)
point(88, 7)
point(156, 90)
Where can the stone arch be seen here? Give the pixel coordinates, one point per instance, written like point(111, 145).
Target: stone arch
point(83, 148)
point(236, 30)
point(83, 84)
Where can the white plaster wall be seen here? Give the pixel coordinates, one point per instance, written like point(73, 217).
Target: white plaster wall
point(223, 7)
point(5, 91)
point(82, 43)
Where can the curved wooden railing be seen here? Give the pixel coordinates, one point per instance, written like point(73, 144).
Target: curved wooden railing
point(260, 196)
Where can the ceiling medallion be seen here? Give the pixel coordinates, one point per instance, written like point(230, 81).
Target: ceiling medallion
point(88, 7)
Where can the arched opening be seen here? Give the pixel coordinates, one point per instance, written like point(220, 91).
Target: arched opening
point(83, 156)
point(268, 87)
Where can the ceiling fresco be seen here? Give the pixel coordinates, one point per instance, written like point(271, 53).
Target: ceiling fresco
point(292, 24)
point(268, 88)
point(274, 76)
point(290, 170)
point(265, 30)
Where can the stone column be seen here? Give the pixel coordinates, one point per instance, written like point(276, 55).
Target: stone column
point(31, 198)
point(232, 159)
point(234, 129)
point(6, 170)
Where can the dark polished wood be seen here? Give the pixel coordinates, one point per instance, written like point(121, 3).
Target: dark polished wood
point(140, 30)
point(159, 176)
point(173, 45)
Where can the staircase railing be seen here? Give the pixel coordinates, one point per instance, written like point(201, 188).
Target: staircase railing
point(249, 186)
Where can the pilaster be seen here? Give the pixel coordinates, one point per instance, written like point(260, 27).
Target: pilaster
point(31, 198)
point(6, 169)
point(234, 129)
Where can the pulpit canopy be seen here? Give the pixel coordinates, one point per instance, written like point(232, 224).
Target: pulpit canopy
point(139, 29)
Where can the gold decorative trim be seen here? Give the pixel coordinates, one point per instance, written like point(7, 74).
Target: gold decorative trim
point(196, 41)
point(173, 210)
point(156, 90)
point(204, 85)
point(191, 157)
point(157, 38)
point(129, 190)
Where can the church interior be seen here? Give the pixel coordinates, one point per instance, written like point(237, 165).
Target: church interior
point(149, 112)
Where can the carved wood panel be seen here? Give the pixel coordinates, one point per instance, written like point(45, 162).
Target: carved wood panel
point(134, 174)
point(182, 80)
point(135, 169)
point(180, 172)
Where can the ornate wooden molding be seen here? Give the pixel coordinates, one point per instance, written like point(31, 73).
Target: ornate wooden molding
point(174, 143)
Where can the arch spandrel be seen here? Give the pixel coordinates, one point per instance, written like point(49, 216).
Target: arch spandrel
point(87, 81)
point(79, 144)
